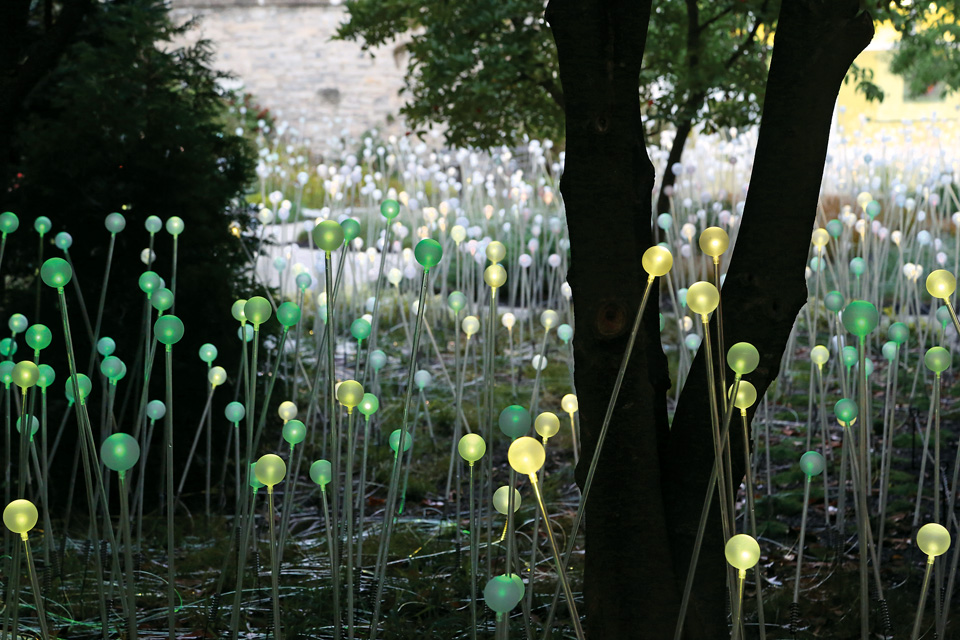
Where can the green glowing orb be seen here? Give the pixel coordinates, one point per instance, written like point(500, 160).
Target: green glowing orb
point(502, 593)
point(25, 374)
point(257, 310)
point(351, 229)
point(395, 441)
point(369, 404)
point(270, 469)
point(83, 382)
point(390, 209)
point(294, 432)
point(288, 313)
point(162, 299)
point(898, 332)
point(38, 337)
point(20, 516)
point(115, 222)
point(360, 329)
point(547, 424)
point(321, 472)
point(471, 447)
point(47, 376)
point(156, 409)
point(742, 552)
point(514, 421)
point(428, 253)
point(120, 452)
point(501, 500)
point(846, 411)
point(860, 318)
point(743, 358)
point(56, 273)
point(811, 463)
point(937, 360)
point(234, 412)
point(9, 222)
point(168, 330)
point(208, 352)
point(328, 235)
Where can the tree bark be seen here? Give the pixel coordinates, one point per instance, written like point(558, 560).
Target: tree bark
point(764, 288)
point(607, 187)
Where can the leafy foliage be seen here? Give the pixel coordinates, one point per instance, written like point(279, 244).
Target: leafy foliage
point(928, 52)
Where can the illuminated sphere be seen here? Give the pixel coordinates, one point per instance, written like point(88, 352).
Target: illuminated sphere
point(20, 516)
point(714, 241)
point(872, 209)
point(8, 347)
point(937, 360)
point(495, 276)
point(153, 224)
point(746, 395)
point(549, 319)
point(47, 376)
point(378, 359)
point(820, 237)
point(245, 333)
point(174, 226)
point(565, 333)
point(321, 472)
point(458, 233)
point(502, 594)
point(369, 404)
point(34, 425)
point(471, 447)
point(288, 313)
point(820, 355)
point(6, 372)
point(811, 463)
point(17, 323)
point(496, 251)
point(257, 310)
point(303, 280)
point(702, 297)
point(849, 356)
point(526, 455)
point(83, 382)
point(835, 228)
point(350, 393)
point(860, 317)
point(162, 299)
point(63, 241)
point(395, 441)
point(508, 320)
point(115, 222)
point(941, 284)
point(254, 482)
point(234, 412)
point(270, 469)
point(743, 358)
point(932, 538)
point(834, 301)
point(56, 273)
point(149, 282)
point(25, 374)
point(294, 432)
point(394, 276)
point(889, 350)
point(547, 424)
point(42, 225)
point(569, 403)
point(898, 332)
point(943, 316)
point(120, 452)
point(156, 409)
point(111, 367)
point(456, 301)
point(208, 353)
point(168, 329)
point(858, 266)
point(428, 253)
point(422, 379)
point(287, 410)
point(106, 346)
point(664, 221)
point(514, 421)
point(501, 500)
point(236, 310)
point(470, 325)
point(742, 552)
point(657, 261)
point(360, 329)
point(9, 222)
point(351, 229)
point(846, 411)
point(216, 376)
point(328, 235)
point(390, 209)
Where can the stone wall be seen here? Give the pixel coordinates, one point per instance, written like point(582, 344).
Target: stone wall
point(281, 52)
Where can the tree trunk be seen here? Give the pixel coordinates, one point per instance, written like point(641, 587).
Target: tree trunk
point(676, 152)
point(607, 187)
point(764, 288)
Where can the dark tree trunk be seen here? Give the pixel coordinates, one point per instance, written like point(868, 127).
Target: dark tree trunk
point(676, 152)
point(645, 502)
point(764, 289)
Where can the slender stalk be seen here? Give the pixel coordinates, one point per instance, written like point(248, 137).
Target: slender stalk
point(803, 533)
point(35, 585)
point(738, 609)
point(274, 567)
point(171, 548)
point(474, 560)
point(864, 487)
point(348, 507)
point(334, 562)
point(923, 599)
point(128, 557)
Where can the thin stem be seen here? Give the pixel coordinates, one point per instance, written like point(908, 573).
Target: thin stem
point(274, 566)
point(923, 599)
point(35, 585)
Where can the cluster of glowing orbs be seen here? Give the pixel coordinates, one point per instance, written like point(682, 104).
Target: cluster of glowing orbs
point(471, 447)
point(349, 393)
point(937, 359)
point(495, 276)
point(860, 318)
point(501, 500)
point(257, 310)
point(819, 355)
point(702, 297)
point(547, 424)
point(428, 253)
point(56, 273)
point(120, 452)
point(514, 421)
point(20, 516)
point(503, 593)
point(294, 432)
point(657, 261)
point(714, 241)
point(288, 314)
point(742, 552)
point(395, 441)
point(270, 469)
point(168, 330)
point(812, 463)
point(941, 284)
point(743, 358)
point(526, 455)
point(933, 539)
point(321, 472)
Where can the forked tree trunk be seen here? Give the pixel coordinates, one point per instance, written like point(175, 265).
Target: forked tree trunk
point(646, 498)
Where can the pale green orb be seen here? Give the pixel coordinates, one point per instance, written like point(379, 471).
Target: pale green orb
point(236, 310)
point(20, 516)
point(495, 276)
point(360, 329)
point(294, 432)
point(208, 352)
point(351, 229)
point(428, 253)
point(496, 251)
point(471, 447)
point(812, 463)
point(257, 310)
point(162, 299)
point(9, 222)
point(378, 359)
point(115, 222)
point(746, 395)
point(369, 404)
point(549, 319)
point(6, 372)
point(321, 472)
point(846, 411)
point(17, 323)
point(470, 325)
point(742, 552)
point(526, 455)
point(216, 376)
point(25, 374)
point(860, 318)
point(270, 469)
point(898, 332)
point(288, 313)
point(328, 235)
point(395, 441)
point(149, 282)
point(106, 346)
point(254, 481)
point(350, 393)
point(547, 424)
point(501, 500)
point(47, 376)
point(932, 538)
point(153, 224)
point(56, 273)
point(168, 330)
point(937, 359)
point(234, 412)
point(833, 301)
point(42, 225)
point(456, 301)
point(743, 358)
point(941, 284)
point(34, 425)
point(390, 209)
point(502, 594)
point(120, 452)
point(514, 421)
point(84, 384)
point(287, 410)
point(63, 241)
point(174, 226)
point(111, 367)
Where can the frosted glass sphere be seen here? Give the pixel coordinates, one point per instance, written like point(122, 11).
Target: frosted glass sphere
point(937, 359)
point(833, 301)
point(168, 330)
point(257, 310)
point(9, 222)
point(34, 425)
point(115, 222)
point(742, 552)
point(428, 253)
point(565, 333)
point(702, 297)
point(162, 299)
point(208, 353)
point(508, 320)
point(422, 379)
point(17, 323)
point(20, 516)
point(495, 276)
point(288, 314)
point(360, 329)
point(390, 209)
point(83, 382)
point(394, 276)
point(328, 235)
point(657, 261)
point(254, 482)
point(526, 455)
point(369, 405)
point(846, 411)
point(350, 393)
point(111, 367)
point(294, 432)
point(25, 374)
point(456, 301)
point(743, 358)
point(470, 325)
point(458, 233)
point(714, 241)
point(889, 350)
point(502, 594)
point(395, 441)
point(47, 376)
point(287, 410)
point(63, 241)
point(156, 409)
point(217, 376)
point(56, 273)
point(42, 225)
point(746, 395)
point(549, 319)
point(471, 447)
point(811, 463)
point(501, 500)
point(820, 237)
point(38, 337)
point(569, 403)
point(120, 452)
point(236, 310)
point(270, 469)
point(234, 412)
point(860, 317)
point(932, 538)
point(496, 251)
point(321, 472)
point(820, 355)
point(378, 359)
point(849, 356)
point(174, 226)
point(941, 284)
point(547, 424)
point(514, 421)
point(152, 224)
